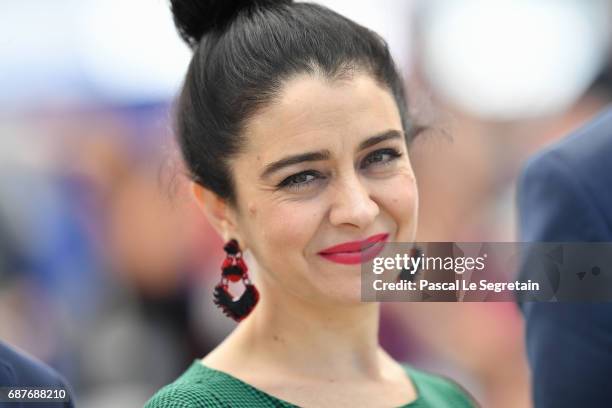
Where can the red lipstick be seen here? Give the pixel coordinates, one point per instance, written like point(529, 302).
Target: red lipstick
point(355, 252)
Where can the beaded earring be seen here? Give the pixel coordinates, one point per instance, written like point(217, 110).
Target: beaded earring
point(234, 269)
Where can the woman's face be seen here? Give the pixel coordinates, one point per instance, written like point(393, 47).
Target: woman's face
point(325, 164)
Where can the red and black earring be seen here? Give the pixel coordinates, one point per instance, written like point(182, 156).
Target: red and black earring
point(233, 269)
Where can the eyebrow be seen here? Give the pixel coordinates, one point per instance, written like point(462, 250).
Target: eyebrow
point(325, 154)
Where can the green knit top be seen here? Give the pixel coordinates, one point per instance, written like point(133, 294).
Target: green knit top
point(202, 386)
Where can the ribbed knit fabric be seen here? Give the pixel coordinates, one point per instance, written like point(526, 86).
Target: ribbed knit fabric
point(201, 386)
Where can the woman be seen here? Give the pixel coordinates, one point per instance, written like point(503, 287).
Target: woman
point(293, 124)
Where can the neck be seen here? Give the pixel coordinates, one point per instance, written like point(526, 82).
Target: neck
point(334, 341)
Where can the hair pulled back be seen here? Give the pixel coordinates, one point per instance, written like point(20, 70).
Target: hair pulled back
point(243, 52)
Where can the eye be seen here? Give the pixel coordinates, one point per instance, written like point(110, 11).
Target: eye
point(380, 157)
point(300, 180)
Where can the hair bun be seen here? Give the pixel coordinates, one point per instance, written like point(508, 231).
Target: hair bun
point(195, 18)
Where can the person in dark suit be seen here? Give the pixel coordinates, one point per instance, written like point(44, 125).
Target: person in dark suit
point(565, 195)
point(18, 370)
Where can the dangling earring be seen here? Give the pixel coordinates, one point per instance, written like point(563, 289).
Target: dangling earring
point(407, 273)
point(234, 269)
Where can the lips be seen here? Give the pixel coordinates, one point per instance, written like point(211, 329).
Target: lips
point(355, 251)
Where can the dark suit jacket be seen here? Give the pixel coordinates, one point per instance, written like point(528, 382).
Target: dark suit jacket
point(19, 370)
point(565, 195)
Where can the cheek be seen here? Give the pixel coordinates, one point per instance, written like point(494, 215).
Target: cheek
point(285, 226)
point(281, 235)
point(405, 195)
point(400, 197)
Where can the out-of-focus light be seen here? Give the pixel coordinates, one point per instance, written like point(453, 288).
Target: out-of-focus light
point(130, 49)
point(70, 52)
point(510, 59)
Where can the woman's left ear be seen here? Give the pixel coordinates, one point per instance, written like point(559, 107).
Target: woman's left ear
point(217, 211)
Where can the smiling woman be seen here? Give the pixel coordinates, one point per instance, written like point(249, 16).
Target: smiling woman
point(293, 124)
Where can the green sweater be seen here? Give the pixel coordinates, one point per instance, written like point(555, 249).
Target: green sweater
point(201, 386)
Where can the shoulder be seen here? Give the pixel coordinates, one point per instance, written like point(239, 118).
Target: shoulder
point(184, 395)
point(590, 146)
point(439, 391)
point(569, 180)
point(16, 368)
point(593, 139)
point(198, 386)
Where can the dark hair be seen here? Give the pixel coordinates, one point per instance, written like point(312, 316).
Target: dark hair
point(244, 50)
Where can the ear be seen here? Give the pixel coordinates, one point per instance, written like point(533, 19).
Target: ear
point(217, 211)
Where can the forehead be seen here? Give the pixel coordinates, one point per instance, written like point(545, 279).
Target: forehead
point(312, 111)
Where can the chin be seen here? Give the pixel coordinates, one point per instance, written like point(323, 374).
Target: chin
point(344, 293)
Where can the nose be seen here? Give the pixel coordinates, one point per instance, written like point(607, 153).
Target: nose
point(352, 203)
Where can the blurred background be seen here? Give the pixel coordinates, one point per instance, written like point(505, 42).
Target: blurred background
point(107, 267)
